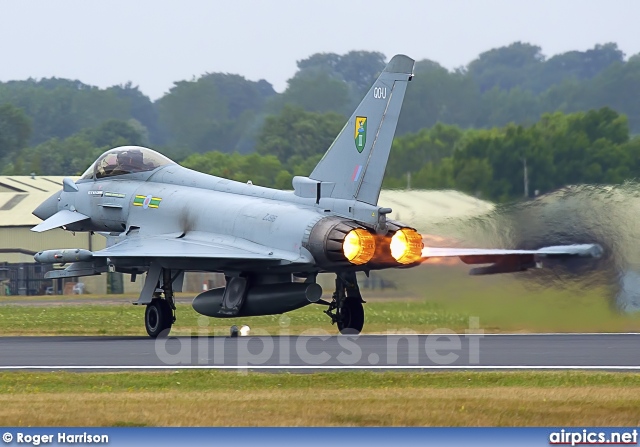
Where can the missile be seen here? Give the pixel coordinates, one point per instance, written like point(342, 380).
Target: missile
point(63, 256)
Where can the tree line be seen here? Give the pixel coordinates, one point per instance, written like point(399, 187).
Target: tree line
point(473, 128)
point(592, 147)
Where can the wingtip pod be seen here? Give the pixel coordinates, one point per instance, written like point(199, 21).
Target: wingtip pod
point(597, 251)
point(593, 250)
point(400, 64)
point(582, 250)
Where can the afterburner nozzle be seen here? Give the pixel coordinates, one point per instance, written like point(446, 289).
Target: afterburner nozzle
point(406, 246)
point(359, 246)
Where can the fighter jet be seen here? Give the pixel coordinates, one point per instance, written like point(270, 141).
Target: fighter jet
point(162, 220)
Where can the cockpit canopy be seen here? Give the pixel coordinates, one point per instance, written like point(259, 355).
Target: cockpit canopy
point(125, 160)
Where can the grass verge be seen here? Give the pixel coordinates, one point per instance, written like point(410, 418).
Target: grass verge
point(196, 398)
point(126, 319)
point(552, 311)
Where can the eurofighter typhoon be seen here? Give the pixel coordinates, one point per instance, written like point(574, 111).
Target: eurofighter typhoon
point(163, 220)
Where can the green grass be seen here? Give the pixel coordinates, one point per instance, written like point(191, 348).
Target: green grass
point(207, 380)
point(507, 308)
point(427, 298)
point(126, 319)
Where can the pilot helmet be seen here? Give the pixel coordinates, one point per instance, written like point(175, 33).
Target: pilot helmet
point(131, 157)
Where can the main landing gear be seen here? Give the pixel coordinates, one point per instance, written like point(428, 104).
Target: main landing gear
point(346, 307)
point(161, 311)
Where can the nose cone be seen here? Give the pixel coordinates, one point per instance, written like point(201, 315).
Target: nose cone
point(48, 208)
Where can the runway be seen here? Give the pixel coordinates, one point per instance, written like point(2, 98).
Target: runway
point(311, 353)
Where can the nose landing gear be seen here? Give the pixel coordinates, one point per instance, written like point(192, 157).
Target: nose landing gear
point(160, 313)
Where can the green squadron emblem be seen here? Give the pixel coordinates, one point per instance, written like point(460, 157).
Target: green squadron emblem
point(360, 132)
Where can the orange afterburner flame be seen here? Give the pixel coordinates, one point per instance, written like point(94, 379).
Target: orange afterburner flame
point(406, 246)
point(359, 246)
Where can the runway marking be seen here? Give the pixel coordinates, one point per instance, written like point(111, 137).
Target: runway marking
point(563, 333)
point(501, 334)
point(58, 338)
point(328, 367)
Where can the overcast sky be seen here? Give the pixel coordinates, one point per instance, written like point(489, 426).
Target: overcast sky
point(155, 42)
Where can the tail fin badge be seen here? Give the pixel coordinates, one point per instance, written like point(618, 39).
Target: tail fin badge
point(360, 132)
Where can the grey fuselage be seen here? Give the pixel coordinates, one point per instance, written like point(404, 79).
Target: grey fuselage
point(189, 202)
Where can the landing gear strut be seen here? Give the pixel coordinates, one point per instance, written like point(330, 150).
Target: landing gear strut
point(160, 313)
point(346, 307)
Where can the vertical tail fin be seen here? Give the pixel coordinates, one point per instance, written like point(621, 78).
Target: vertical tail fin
point(356, 161)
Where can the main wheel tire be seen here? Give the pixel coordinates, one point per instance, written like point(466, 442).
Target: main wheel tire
point(158, 318)
point(352, 320)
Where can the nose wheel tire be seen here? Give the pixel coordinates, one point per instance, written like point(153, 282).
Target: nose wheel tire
point(158, 318)
point(352, 317)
